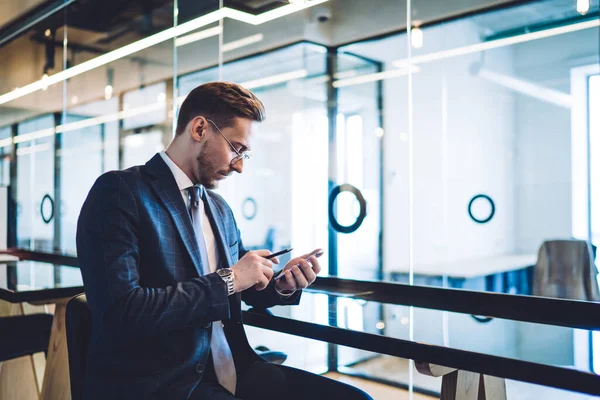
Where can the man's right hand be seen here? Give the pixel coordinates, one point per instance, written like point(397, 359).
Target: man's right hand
point(253, 269)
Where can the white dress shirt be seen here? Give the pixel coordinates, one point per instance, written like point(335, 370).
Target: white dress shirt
point(183, 183)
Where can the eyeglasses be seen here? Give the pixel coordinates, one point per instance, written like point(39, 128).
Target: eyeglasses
point(240, 156)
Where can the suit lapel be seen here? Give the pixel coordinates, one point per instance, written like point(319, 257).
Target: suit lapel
point(165, 187)
point(216, 221)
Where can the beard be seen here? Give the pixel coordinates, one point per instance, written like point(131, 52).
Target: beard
point(208, 173)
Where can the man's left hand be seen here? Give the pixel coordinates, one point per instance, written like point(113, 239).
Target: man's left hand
point(299, 274)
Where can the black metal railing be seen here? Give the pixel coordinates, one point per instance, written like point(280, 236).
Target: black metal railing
point(525, 371)
point(550, 311)
point(540, 310)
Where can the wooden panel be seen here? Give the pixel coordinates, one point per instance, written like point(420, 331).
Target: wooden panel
point(460, 385)
point(494, 388)
point(56, 378)
point(433, 369)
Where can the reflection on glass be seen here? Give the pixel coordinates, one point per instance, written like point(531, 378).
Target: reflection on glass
point(5, 155)
point(35, 157)
point(24, 276)
point(138, 149)
point(83, 156)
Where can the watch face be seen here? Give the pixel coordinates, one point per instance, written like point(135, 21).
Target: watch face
point(224, 272)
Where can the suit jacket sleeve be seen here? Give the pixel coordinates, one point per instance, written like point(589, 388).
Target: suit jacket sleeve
point(269, 296)
point(108, 234)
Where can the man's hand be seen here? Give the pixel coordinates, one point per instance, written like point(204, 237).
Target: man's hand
point(299, 273)
point(253, 269)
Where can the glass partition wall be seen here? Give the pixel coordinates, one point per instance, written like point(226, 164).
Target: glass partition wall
point(458, 153)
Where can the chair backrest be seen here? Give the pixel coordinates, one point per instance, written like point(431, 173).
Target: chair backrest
point(79, 330)
point(565, 269)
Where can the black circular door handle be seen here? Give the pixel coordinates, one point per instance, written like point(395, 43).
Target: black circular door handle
point(482, 319)
point(44, 199)
point(335, 192)
point(492, 208)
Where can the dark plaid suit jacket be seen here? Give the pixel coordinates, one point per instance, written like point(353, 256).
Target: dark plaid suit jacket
point(151, 306)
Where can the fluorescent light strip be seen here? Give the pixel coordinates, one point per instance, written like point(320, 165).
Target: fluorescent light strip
point(494, 44)
point(38, 148)
point(270, 80)
point(531, 89)
point(236, 44)
point(357, 80)
point(196, 36)
point(268, 15)
point(34, 135)
point(153, 40)
point(274, 79)
point(86, 123)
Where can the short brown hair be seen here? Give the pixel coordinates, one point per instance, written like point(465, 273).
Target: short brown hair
point(221, 102)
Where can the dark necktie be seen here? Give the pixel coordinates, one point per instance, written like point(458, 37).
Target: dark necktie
point(221, 352)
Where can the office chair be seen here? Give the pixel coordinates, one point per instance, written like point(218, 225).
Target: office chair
point(565, 269)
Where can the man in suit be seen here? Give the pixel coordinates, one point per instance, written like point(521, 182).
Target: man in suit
point(165, 270)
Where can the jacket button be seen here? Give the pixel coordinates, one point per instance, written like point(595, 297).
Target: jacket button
point(207, 325)
point(200, 368)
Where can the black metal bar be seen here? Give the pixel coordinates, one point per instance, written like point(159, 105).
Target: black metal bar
point(540, 310)
point(524, 371)
point(332, 110)
point(58, 120)
point(11, 239)
point(589, 194)
point(40, 295)
point(57, 183)
point(57, 259)
point(380, 115)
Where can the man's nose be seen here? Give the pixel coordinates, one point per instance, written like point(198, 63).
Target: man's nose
point(238, 166)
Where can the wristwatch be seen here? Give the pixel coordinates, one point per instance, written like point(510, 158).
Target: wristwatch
point(227, 275)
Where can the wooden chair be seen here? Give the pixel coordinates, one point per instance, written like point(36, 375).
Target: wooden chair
point(464, 385)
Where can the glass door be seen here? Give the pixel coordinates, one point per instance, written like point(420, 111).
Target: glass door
point(594, 157)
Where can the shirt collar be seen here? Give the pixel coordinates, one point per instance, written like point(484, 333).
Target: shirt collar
point(183, 181)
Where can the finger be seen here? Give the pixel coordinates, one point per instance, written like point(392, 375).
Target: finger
point(274, 260)
point(307, 271)
point(316, 267)
point(267, 272)
point(289, 279)
point(295, 261)
point(266, 263)
point(301, 282)
point(263, 253)
point(311, 254)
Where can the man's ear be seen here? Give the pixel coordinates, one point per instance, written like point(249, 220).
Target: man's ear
point(198, 127)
